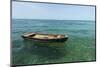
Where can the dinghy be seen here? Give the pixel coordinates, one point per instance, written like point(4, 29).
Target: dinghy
point(40, 37)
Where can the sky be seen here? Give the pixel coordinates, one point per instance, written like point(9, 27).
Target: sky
point(30, 10)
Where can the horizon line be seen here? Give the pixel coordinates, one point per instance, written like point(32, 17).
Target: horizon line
point(53, 19)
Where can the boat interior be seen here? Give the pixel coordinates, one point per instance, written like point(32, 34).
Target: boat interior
point(40, 36)
point(44, 36)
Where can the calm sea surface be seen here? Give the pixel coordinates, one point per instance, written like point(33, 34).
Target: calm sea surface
point(79, 47)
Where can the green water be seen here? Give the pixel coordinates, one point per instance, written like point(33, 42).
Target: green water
point(79, 47)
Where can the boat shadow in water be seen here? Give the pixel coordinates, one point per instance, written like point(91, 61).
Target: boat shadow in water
point(44, 51)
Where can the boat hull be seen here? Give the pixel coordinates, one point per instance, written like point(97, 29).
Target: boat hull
point(31, 40)
point(45, 40)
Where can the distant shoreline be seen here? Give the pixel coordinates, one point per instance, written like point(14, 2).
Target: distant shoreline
point(52, 19)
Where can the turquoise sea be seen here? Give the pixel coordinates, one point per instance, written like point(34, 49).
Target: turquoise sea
point(79, 47)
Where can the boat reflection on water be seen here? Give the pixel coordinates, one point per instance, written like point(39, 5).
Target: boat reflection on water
point(31, 44)
point(50, 51)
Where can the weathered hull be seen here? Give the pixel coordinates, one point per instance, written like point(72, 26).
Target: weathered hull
point(31, 39)
point(46, 40)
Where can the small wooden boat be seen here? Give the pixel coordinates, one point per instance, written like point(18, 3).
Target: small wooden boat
point(45, 37)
